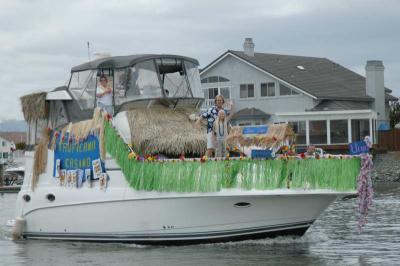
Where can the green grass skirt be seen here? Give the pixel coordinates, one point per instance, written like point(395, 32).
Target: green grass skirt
point(210, 176)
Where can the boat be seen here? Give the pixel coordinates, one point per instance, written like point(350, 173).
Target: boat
point(12, 179)
point(93, 179)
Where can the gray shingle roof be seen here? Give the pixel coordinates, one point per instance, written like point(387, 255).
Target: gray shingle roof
point(250, 113)
point(335, 105)
point(320, 77)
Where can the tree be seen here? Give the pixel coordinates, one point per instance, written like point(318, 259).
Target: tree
point(20, 146)
point(394, 114)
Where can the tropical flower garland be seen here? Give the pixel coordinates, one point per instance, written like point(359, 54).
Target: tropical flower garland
point(364, 189)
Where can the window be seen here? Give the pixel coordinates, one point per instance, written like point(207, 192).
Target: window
point(3, 143)
point(173, 78)
point(284, 90)
point(339, 131)
point(210, 93)
point(141, 83)
point(246, 90)
point(5, 155)
point(268, 89)
point(83, 87)
point(193, 76)
point(359, 129)
point(214, 79)
point(225, 91)
point(318, 134)
point(299, 128)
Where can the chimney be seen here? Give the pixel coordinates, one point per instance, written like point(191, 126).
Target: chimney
point(375, 86)
point(248, 47)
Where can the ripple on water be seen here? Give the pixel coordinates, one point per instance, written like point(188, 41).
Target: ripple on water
point(332, 240)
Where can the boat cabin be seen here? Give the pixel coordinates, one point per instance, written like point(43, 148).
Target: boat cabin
point(137, 81)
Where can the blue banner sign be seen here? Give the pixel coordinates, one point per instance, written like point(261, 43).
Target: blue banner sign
point(76, 155)
point(255, 130)
point(358, 147)
point(262, 154)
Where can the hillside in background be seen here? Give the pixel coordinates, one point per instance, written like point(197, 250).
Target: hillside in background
point(13, 126)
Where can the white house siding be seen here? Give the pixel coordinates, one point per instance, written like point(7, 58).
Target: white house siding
point(239, 72)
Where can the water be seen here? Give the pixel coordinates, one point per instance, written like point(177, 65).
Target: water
point(332, 240)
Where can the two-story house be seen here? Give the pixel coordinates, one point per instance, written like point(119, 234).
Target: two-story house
point(326, 103)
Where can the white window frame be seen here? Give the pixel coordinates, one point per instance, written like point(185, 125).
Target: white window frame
point(286, 95)
point(306, 127)
point(275, 89)
point(254, 91)
point(326, 126)
point(348, 115)
point(210, 102)
point(330, 137)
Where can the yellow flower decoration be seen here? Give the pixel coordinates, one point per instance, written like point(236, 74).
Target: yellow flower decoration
point(132, 155)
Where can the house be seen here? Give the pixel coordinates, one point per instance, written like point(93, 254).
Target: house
point(16, 137)
point(326, 103)
point(5, 150)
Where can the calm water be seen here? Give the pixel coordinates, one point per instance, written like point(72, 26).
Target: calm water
point(332, 240)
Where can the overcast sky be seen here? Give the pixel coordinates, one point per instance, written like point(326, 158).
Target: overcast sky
point(41, 40)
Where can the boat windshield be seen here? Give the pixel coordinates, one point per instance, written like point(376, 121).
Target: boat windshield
point(193, 77)
point(82, 87)
point(171, 78)
point(137, 82)
point(151, 79)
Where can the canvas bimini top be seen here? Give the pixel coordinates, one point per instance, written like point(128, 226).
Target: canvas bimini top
point(138, 80)
point(126, 61)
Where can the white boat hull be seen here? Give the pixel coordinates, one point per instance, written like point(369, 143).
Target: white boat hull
point(177, 219)
point(121, 214)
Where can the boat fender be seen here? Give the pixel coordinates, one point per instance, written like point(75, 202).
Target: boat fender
point(19, 227)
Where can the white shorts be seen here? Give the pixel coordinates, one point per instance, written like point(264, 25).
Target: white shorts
point(210, 140)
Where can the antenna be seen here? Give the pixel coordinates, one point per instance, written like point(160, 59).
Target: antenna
point(88, 50)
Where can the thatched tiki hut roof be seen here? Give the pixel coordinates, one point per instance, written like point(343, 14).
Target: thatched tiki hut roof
point(167, 131)
point(34, 106)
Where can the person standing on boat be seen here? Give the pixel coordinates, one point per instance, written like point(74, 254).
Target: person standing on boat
point(211, 115)
point(220, 130)
point(104, 95)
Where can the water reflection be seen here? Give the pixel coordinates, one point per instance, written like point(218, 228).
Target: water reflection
point(332, 240)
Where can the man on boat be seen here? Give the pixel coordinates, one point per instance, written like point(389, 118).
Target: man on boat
point(104, 95)
point(211, 115)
